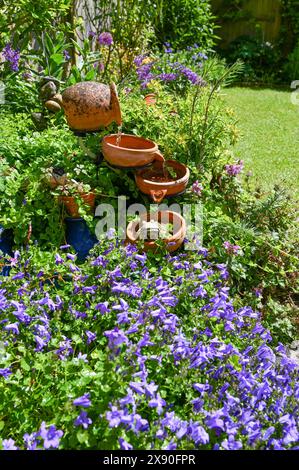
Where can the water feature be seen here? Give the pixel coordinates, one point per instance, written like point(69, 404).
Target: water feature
point(119, 133)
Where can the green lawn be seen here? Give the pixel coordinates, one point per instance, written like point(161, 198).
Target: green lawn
point(269, 142)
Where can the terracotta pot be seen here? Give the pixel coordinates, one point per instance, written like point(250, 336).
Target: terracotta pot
point(150, 99)
point(172, 243)
point(157, 190)
point(88, 106)
point(132, 151)
point(71, 205)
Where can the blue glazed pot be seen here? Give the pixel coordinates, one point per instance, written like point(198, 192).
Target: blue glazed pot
point(79, 236)
point(6, 242)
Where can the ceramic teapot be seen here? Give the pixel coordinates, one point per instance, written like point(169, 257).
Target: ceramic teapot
point(89, 105)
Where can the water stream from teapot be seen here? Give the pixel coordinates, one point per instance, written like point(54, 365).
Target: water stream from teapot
point(118, 138)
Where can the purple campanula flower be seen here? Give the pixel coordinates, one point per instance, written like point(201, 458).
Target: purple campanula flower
point(231, 444)
point(158, 403)
point(171, 446)
point(198, 434)
point(84, 401)
point(82, 357)
point(90, 336)
point(124, 444)
point(31, 440)
point(6, 372)
point(65, 348)
point(83, 420)
point(58, 259)
point(13, 328)
point(9, 444)
point(64, 247)
point(50, 435)
point(105, 39)
point(102, 307)
point(18, 276)
point(116, 337)
point(114, 417)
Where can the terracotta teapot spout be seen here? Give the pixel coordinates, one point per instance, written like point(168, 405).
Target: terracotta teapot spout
point(114, 104)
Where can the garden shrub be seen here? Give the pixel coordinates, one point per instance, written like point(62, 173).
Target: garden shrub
point(184, 23)
point(129, 351)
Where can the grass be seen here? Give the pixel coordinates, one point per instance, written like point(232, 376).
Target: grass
point(269, 141)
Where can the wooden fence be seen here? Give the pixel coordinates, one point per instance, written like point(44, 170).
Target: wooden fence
point(254, 17)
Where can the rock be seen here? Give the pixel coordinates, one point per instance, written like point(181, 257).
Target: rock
point(47, 91)
point(52, 106)
point(47, 79)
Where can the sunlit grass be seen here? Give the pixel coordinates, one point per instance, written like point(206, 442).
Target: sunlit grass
point(269, 142)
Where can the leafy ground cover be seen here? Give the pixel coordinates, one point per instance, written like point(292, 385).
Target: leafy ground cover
point(268, 144)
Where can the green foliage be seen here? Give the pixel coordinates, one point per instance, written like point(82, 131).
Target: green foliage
point(28, 19)
point(261, 59)
point(184, 23)
point(291, 68)
point(193, 128)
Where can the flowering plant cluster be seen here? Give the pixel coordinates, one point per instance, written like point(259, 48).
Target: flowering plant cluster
point(177, 70)
point(121, 352)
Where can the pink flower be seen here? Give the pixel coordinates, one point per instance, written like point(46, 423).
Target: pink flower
point(231, 249)
point(234, 170)
point(197, 188)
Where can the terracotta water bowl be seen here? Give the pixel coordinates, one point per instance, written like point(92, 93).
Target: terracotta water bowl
point(172, 242)
point(132, 151)
point(158, 184)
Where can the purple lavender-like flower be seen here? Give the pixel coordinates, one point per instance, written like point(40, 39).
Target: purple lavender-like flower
point(84, 401)
point(124, 444)
point(234, 170)
point(9, 444)
point(50, 435)
point(197, 188)
point(105, 39)
point(83, 420)
point(167, 77)
point(139, 59)
point(12, 56)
